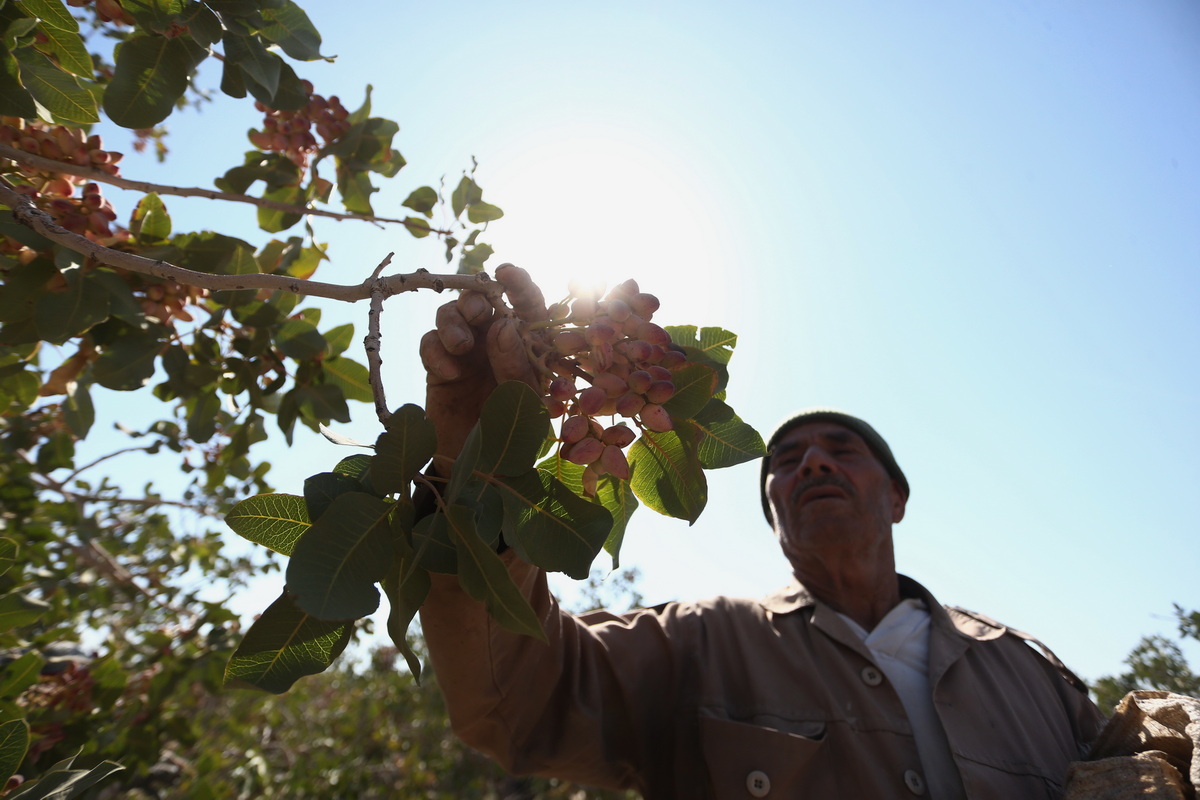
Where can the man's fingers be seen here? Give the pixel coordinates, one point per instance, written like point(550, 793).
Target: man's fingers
point(506, 351)
point(523, 294)
point(440, 365)
point(474, 307)
point(453, 330)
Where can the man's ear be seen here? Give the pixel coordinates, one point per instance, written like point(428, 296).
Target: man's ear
point(899, 501)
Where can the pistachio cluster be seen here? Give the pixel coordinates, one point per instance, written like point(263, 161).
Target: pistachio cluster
point(604, 357)
point(291, 132)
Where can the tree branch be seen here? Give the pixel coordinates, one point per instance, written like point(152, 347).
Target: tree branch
point(39, 221)
point(373, 341)
point(104, 458)
point(53, 165)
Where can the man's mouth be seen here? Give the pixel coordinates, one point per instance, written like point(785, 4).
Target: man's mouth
point(822, 491)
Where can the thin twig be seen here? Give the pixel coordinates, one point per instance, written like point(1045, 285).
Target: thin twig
point(373, 340)
point(53, 165)
point(103, 458)
point(39, 221)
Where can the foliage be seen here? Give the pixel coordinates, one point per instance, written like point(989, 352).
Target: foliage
point(1155, 663)
point(378, 734)
point(215, 329)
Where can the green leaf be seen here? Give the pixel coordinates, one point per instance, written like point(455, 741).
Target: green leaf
point(151, 73)
point(322, 403)
point(121, 302)
point(20, 389)
point(56, 452)
point(422, 200)
point(285, 644)
point(18, 31)
point(725, 440)
point(356, 190)
point(715, 343)
point(257, 63)
point(69, 51)
point(17, 610)
point(368, 146)
point(62, 34)
point(434, 546)
point(473, 259)
point(694, 387)
point(233, 80)
point(15, 99)
point(322, 489)
point(275, 521)
point(402, 450)
point(300, 340)
point(462, 471)
point(155, 15)
point(62, 783)
point(272, 169)
point(466, 193)
point(418, 227)
point(128, 362)
point(513, 425)
point(66, 97)
point(667, 476)
point(336, 563)
point(14, 742)
point(202, 410)
point(20, 674)
point(483, 212)
point(203, 25)
point(273, 220)
point(355, 466)
point(290, 28)
point(291, 95)
point(406, 587)
point(616, 496)
point(23, 286)
point(51, 14)
point(9, 550)
point(484, 577)
point(550, 526)
point(338, 339)
point(348, 375)
point(78, 411)
point(63, 315)
point(150, 222)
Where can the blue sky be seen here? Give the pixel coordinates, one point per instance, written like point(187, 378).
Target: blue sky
point(976, 225)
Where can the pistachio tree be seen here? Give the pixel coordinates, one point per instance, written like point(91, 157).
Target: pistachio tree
point(220, 332)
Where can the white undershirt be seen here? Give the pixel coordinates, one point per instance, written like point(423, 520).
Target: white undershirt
point(900, 645)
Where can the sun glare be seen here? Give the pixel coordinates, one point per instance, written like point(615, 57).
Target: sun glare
point(599, 208)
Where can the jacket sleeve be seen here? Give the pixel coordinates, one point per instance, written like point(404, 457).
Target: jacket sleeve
point(593, 704)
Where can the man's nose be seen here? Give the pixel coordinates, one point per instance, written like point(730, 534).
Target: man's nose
point(816, 461)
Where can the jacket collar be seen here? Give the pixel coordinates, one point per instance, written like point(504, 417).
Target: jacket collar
point(949, 619)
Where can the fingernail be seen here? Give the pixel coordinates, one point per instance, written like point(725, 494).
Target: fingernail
point(509, 337)
point(474, 307)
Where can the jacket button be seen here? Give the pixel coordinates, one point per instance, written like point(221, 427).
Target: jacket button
point(758, 784)
point(914, 782)
point(872, 676)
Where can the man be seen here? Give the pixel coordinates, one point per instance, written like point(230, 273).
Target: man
point(852, 683)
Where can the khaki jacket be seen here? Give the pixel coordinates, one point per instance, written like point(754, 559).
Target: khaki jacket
point(731, 698)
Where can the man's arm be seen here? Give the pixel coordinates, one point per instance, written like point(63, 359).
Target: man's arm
point(564, 707)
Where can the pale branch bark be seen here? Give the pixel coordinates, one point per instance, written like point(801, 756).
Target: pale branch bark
point(53, 165)
point(373, 340)
point(39, 221)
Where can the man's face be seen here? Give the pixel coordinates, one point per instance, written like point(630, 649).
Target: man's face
point(828, 490)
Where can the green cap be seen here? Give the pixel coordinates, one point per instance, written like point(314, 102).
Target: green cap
point(869, 435)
